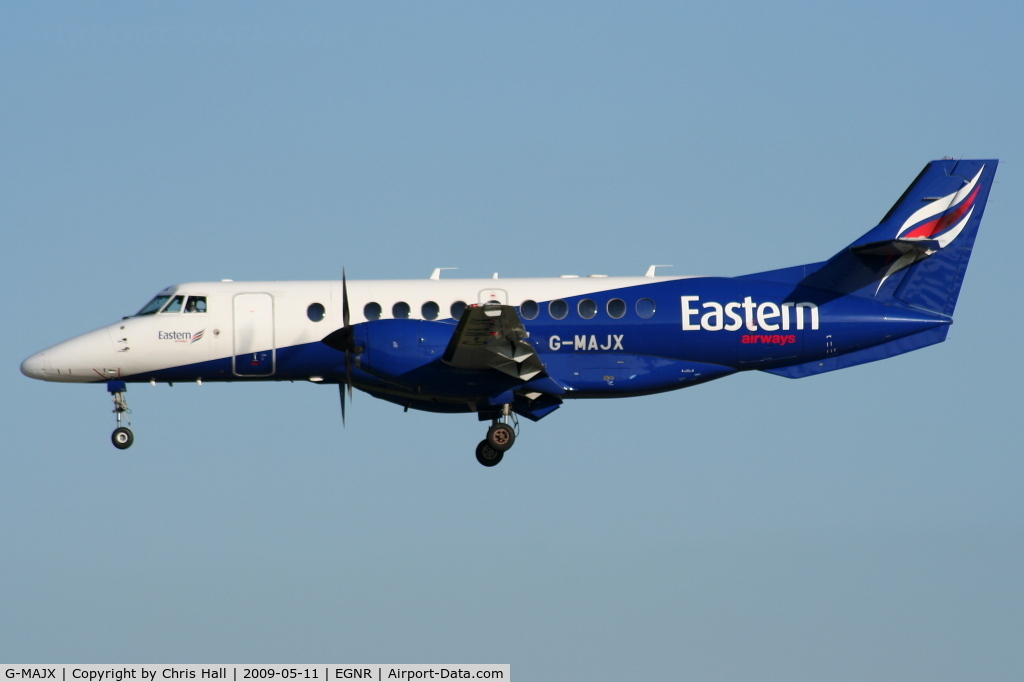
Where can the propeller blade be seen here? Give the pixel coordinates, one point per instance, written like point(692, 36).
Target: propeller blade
point(341, 390)
point(348, 373)
point(344, 300)
point(347, 342)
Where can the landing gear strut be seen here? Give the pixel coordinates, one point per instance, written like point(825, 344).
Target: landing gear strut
point(500, 438)
point(122, 438)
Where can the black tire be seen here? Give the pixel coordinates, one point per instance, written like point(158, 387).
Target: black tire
point(122, 438)
point(487, 455)
point(501, 437)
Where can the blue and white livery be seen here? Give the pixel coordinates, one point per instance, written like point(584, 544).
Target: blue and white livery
point(503, 348)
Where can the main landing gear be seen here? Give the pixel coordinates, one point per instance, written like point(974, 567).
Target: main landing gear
point(500, 438)
point(122, 438)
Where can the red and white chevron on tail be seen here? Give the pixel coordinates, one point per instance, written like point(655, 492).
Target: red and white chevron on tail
point(943, 219)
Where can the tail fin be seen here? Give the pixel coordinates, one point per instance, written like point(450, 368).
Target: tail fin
point(918, 254)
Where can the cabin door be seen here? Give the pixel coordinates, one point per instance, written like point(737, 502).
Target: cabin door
point(254, 353)
point(488, 295)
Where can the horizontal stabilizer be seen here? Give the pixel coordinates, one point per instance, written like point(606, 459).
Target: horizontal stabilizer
point(897, 248)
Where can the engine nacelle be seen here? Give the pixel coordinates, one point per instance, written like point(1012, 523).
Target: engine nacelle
point(394, 348)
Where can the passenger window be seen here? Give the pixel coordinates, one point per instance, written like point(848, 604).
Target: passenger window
point(616, 308)
point(430, 310)
point(558, 309)
point(457, 309)
point(529, 310)
point(645, 308)
point(196, 304)
point(587, 309)
point(372, 311)
point(175, 305)
point(315, 312)
point(400, 310)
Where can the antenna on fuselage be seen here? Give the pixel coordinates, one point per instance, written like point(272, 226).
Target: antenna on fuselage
point(437, 272)
point(653, 270)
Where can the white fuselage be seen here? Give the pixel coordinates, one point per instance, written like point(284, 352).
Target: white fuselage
point(254, 317)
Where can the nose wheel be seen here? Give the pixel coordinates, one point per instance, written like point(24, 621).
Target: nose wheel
point(122, 438)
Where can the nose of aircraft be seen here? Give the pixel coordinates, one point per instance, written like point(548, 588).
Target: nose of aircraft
point(33, 367)
point(86, 358)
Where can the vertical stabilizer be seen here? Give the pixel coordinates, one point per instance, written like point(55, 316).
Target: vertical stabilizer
point(918, 254)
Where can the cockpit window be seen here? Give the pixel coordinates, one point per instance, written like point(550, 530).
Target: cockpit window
point(196, 304)
point(175, 305)
point(156, 304)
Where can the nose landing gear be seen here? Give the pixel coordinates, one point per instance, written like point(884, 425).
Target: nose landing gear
point(122, 438)
point(500, 438)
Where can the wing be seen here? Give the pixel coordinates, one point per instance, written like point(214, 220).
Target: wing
point(492, 336)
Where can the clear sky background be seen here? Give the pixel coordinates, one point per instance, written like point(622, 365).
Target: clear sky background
point(863, 524)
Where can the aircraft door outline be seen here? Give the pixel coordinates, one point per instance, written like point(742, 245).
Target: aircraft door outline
point(488, 295)
point(254, 351)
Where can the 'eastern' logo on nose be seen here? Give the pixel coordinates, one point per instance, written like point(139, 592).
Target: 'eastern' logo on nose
point(181, 337)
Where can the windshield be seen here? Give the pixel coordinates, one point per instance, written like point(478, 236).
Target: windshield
point(175, 305)
point(154, 305)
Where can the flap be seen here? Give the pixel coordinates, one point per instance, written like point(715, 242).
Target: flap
point(493, 337)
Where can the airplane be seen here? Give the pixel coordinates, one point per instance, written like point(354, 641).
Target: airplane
point(510, 348)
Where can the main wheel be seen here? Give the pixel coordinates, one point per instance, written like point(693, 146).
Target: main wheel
point(122, 438)
point(501, 437)
point(487, 455)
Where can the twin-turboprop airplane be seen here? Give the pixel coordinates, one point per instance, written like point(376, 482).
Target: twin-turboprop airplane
point(508, 347)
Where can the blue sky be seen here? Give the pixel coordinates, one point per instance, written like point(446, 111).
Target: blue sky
point(865, 524)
